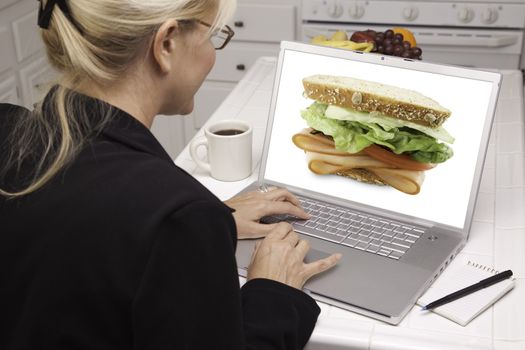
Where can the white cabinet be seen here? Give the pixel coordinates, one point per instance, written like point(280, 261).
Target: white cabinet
point(36, 79)
point(208, 98)
point(24, 69)
point(169, 131)
point(5, 3)
point(9, 91)
point(233, 62)
point(6, 57)
point(264, 22)
point(27, 38)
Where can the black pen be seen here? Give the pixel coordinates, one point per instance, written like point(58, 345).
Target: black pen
point(470, 289)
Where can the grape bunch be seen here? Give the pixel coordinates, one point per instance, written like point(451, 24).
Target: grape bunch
point(388, 43)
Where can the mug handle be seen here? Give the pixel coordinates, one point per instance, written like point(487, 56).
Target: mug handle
point(195, 144)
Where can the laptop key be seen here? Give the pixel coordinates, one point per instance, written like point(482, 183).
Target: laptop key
point(375, 235)
point(395, 248)
point(395, 255)
point(383, 252)
point(331, 230)
point(386, 239)
point(401, 236)
point(399, 244)
point(350, 242)
point(341, 233)
point(324, 215)
point(300, 222)
point(372, 248)
point(364, 233)
point(361, 246)
point(365, 239)
point(388, 233)
point(321, 228)
point(413, 234)
point(311, 224)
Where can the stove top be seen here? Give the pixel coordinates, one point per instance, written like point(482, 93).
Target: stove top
point(463, 13)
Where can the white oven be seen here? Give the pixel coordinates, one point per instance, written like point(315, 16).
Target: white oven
point(475, 33)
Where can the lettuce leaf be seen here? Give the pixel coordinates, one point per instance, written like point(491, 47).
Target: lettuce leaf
point(353, 136)
point(387, 123)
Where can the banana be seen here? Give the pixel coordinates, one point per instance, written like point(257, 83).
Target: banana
point(318, 39)
point(339, 35)
point(369, 48)
point(347, 44)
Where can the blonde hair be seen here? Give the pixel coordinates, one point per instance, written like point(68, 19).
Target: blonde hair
point(106, 38)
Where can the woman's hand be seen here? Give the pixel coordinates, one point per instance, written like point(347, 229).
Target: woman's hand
point(280, 257)
point(250, 207)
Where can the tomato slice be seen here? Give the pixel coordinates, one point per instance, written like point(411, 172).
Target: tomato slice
point(401, 161)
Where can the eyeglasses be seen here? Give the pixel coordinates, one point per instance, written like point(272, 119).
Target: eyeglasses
point(221, 37)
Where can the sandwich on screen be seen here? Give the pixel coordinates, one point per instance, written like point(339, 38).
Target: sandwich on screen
point(373, 133)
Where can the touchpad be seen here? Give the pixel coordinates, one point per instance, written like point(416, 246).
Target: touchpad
point(314, 255)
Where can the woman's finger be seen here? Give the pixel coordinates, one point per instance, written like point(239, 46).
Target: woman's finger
point(321, 265)
point(292, 237)
point(280, 231)
point(303, 246)
point(257, 230)
point(272, 208)
point(282, 194)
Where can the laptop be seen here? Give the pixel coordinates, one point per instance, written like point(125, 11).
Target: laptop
point(394, 244)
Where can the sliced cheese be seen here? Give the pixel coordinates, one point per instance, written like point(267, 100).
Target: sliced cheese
point(340, 113)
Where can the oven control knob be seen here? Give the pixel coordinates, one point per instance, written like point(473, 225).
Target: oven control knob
point(335, 10)
point(465, 15)
point(489, 16)
point(356, 10)
point(410, 13)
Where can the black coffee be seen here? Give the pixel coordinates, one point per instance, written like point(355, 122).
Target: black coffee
point(228, 132)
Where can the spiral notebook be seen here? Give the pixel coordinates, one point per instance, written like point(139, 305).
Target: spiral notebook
point(465, 309)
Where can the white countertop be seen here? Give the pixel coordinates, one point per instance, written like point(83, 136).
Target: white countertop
point(497, 237)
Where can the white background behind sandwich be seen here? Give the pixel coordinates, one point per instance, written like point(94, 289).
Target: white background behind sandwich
point(446, 190)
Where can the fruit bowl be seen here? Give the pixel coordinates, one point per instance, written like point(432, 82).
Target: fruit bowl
point(395, 42)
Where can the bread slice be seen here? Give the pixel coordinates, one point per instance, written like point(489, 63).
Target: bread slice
point(362, 175)
point(369, 96)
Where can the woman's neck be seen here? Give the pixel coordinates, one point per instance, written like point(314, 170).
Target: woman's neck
point(135, 97)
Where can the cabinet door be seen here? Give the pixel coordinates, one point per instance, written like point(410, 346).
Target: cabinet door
point(36, 79)
point(6, 57)
point(264, 23)
point(169, 130)
point(27, 37)
point(208, 99)
point(236, 59)
point(5, 3)
point(8, 91)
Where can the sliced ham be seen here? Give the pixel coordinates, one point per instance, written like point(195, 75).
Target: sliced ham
point(324, 158)
point(408, 181)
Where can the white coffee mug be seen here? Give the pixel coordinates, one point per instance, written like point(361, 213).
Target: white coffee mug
point(229, 147)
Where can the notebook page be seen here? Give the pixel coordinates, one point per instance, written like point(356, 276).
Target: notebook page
point(464, 309)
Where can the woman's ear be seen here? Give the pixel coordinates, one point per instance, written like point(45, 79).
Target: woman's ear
point(164, 45)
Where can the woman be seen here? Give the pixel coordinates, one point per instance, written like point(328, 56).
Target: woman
point(105, 243)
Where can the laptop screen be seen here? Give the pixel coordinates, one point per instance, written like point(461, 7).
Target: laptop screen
point(426, 172)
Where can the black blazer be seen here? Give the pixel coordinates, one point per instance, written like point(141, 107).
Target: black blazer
point(125, 250)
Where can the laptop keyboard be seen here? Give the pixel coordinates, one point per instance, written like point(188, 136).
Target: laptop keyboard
point(353, 229)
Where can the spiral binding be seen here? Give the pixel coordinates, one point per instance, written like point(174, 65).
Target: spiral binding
point(482, 267)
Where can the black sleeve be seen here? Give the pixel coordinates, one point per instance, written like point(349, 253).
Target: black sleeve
point(189, 296)
point(277, 316)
